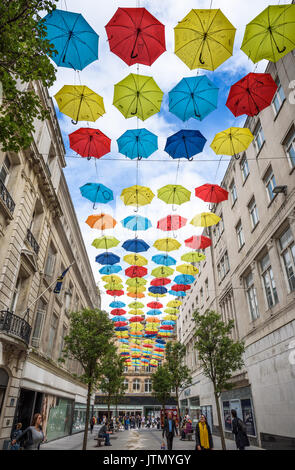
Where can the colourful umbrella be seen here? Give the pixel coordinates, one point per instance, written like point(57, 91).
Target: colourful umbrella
point(171, 222)
point(97, 193)
point(177, 294)
point(204, 39)
point(101, 221)
point(153, 320)
point(136, 281)
point(251, 94)
point(198, 242)
point(193, 257)
point(120, 323)
point(167, 244)
point(136, 271)
point(136, 223)
point(136, 319)
point(136, 36)
point(158, 290)
point(174, 194)
point(104, 243)
point(136, 245)
point(111, 278)
point(184, 279)
point(118, 318)
point(118, 311)
point(205, 219)
point(271, 35)
point(136, 305)
point(160, 281)
point(136, 289)
point(232, 141)
point(151, 294)
point(154, 312)
point(75, 42)
point(113, 286)
point(185, 144)
point(117, 304)
point(211, 193)
point(155, 305)
point(174, 303)
point(137, 295)
point(170, 317)
point(193, 97)
point(89, 142)
point(187, 269)
point(110, 269)
point(164, 260)
point(137, 196)
point(171, 311)
point(180, 287)
point(137, 143)
point(115, 293)
point(107, 258)
point(137, 95)
point(162, 271)
point(79, 103)
point(137, 260)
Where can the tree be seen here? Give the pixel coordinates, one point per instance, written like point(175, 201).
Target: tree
point(88, 341)
point(24, 56)
point(112, 380)
point(180, 374)
point(161, 385)
point(219, 354)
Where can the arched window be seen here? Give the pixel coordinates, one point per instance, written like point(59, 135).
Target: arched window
point(4, 377)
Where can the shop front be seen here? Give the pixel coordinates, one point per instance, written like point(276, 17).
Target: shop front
point(57, 416)
point(79, 418)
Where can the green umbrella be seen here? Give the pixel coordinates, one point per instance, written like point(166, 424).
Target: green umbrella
point(136, 281)
point(136, 305)
point(103, 243)
point(193, 257)
point(162, 271)
point(174, 194)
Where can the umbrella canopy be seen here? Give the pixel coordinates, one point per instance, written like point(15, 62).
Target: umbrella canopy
point(117, 304)
point(136, 36)
point(136, 271)
point(136, 319)
point(180, 287)
point(164, 260)
point(156, 295)
point(136, 245)
point(115, 293)
point(177, 294)
point(171, 311)
point(89, 142)
point(193, 257)
point(118, 318)
point(184, 279)
point(158, 290)
point(137, 260)
point(97, 193)
point(171, 222)
point(187, 269)
point(136, 305)
point(154, 312)
point(107, 258)
point(111, 278)
point(104, 243)
point(137, 295)
point(198, 242)
point(113, 286)
point(137, 143)
point(167, 244)
point(211, 193)
point(120, 323)
point(79, 103)
point(118, 312)
point(137, 95)
point(193, 97)
point(174, 194)
point(136, 281)
point(251, 94)
point(110, 269)
point(185, 144)
point(153, 320)
point(75, 42)
point(101, 221)
point(162, 271)
point(205, 219)
point(271, 35)
point(174, 303)
point(204, 39)
point(136, 289)
point(155, 305)
point(160, 281)
point(232, 141)
point(137, 196)
point(136, 223)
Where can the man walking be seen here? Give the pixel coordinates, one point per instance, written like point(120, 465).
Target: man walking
point(169, 430)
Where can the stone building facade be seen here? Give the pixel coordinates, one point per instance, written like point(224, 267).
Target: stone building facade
point(249, 276)
point(40, 238)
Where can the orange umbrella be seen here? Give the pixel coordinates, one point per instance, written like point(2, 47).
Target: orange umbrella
point(101, 221)
point(139, 295)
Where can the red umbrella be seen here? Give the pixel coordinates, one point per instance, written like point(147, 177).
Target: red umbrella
point(136, 319)
point(90, 142)
point(136, 271)
point(160, 281)
point(251, 94)
point(211, 193)
point(115, 293)
point(180, 287)
point(167, 327)
point(155, 305)
point(118, 311)
point(121, 323)
point(198, 242)
point(136, 36)
point(171, 222)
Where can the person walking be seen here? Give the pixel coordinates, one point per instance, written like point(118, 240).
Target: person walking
point(14, 435)
point(105, 433)
point(170, 430)
point(33, 435)
point(204, 439)
point(239, 430)
point(92, 422)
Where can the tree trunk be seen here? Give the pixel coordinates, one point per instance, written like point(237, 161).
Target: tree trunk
point(109, 411)
point(87, 417)
point(178, 409)
point(219, 421)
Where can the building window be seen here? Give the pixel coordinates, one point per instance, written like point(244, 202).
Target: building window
point(244, 168)
point(268, 282)
point(279, 98)
point(15, 295)
point(52, 334)
point(233, 192)
point(202, 296)
point(50, 262)
point(136, 385)
point(223, 267)
point(287, 246)
point(270, 184)
point(219, 229)
point(126, 384)
point(258, 137)
point(289, 146)
point(4, 172)
point(240, 235)
point(62, 339)
point(40, 315)
point(148, 386)
point(251, 296)
point(207, 289)
point(253, 213)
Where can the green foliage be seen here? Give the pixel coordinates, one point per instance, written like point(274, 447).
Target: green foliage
point(23, 57)
point(161, 384)
point(219, 354)
point(180, 374)
point(112, 381)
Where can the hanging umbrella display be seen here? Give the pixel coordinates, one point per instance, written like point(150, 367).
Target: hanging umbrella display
point(137, 260)
point(251, 94)
point(137, 143)
point(110, 269)
point(154, 312)
point(193, 257)
point(136, 289)
point(118, 318)
point(162, 271)
point(89, 143)
point(205, 219)
point(97, 193)
point(153, 320)
point(174, 194)
point(111, 278)
point(171, 223)
point(165, 260)
point(232, 141)
point(184, 279)
point(107, 258)
point(151, 294)
point(174, 303)
point(155, 305)
point(138, 95)
point(117, 304)
point(136, 245)
point(101, 221)
point(136, 271)
point(171, 311)
point(136, 36)
point(115, 293)
point(271, 35)
point(198, 242)
point(180, 287)
point(113, 286)
point(193, 97)
point(138, 295)
point(187, 269)
point(160, 281)
point(136, 319)
point(137, 196)
point(136, 223)
point(185, 144)
point(158, 290)
point(120, 324)
point(136, 305)
point(137, 313)
point(104, 243)
point(75, 42)
point(136, 281)
point(204, 39)
point(79, 103)
point(118, 311)
point(170, 317)
point(177, 293)
point(167, 244)
point(211, 193)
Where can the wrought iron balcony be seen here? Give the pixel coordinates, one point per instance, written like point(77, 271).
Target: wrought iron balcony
point(15, 326)
point(6, 198)
point(32, 241)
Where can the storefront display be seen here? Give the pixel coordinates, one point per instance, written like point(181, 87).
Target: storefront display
point(79, 418)
point(60, 418)
point(244, 411)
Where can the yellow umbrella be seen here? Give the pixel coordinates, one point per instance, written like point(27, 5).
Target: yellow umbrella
point(193, 257)
point(187, 269)
point(79, 103)
point(151, 327)
point(137, 196)
point(232, 141)
point(111, 278)
point(167, 244)
point(162, 271)
point(205, 219)
point(136, 260)
point(136, 326)
point(113, 286)
point(174, 303)
point(135, 289)
point(204, 39)
point(170, 317)
point(136, 305)
point(136, 281)
point(136, 312)
point(171, 311)
point(156, 295)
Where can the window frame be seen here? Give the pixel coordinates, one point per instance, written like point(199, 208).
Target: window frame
point(257, 136)
point(251, 205)
point(278, 94)
point(266, 271)
point(251, 288)
point(269, 180)
point(288, 249)
point(239, 232)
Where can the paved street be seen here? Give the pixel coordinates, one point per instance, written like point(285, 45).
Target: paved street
point(134, 439)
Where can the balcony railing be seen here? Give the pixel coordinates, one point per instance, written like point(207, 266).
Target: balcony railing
point(32, 241)
point(6, 198)
point(15, 326)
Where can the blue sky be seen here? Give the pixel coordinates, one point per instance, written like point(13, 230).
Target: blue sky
point(167, 71)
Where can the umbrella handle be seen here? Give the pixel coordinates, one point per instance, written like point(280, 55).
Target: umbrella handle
point(133, 114)
point(74, 122)
point(190, 159)
point(133, 56)
point(237, 157)
point(200, 59)
point(281, 51)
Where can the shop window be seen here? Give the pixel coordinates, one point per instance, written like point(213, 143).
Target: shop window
point(79, 418)
point(59, 419)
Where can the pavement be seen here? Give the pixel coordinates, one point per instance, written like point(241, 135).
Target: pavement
point(133, 439)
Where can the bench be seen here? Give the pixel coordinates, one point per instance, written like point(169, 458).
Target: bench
point(99, 440)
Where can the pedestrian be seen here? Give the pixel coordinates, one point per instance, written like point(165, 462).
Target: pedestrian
point(142, 421)
point(105, 433)
point(32, 436)
point(92, 422)
point(170, 430)
point(14, 435)
point(240, 431)
point(204, 439)
point(139, 421)
point(158, 423)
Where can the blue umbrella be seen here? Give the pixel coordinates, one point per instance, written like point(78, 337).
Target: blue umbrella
point(152, 335)
point(107, 258)
point(193, 97)
point(164, 260)
point(114, 319)
point(97, 193)
point(121, 328)
point(161, 341)
point(73, 38)
point(137, 143)
point(110, 269)
point(170, 322)
point(136, 222)
point(185, 144)
point(160, 346)
point(117, 304)
point(185, 279)
point(154, 311)
point(136, 245)
point(158, 290)
point(122, 340)
point(177, 294)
